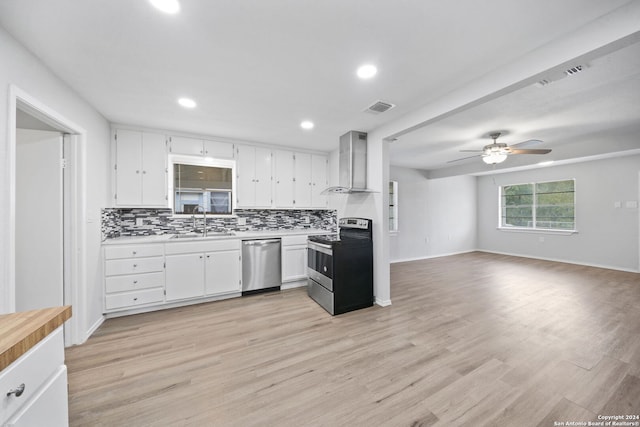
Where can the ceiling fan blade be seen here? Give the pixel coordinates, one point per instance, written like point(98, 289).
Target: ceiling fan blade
point(529, 151)
point(527, 143)
point(470, 151)
point(464, 158)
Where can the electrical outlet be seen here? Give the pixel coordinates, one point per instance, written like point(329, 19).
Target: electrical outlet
point(306, 219)
point(242, 221)
point(541, 239)
point(139, 222)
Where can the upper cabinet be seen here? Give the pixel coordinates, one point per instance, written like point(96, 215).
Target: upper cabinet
point(283, 179)
point(253, 170)
point(299, 178)
point(200, 147)
point(310, 180)
point(140, 169)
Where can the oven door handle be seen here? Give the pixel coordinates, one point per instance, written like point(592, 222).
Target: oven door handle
point(322, 245)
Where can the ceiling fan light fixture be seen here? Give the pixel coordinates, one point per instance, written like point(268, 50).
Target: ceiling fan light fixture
point(494, 157)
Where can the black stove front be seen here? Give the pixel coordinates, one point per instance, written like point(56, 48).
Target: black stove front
point(340, 267)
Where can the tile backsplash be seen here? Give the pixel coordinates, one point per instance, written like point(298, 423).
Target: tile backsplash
point(147, 222)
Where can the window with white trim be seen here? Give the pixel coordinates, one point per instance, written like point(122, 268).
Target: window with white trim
point(393, 206)
point(200, 185)
point(539, 206)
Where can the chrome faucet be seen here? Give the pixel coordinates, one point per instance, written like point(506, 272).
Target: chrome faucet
point(204, 218)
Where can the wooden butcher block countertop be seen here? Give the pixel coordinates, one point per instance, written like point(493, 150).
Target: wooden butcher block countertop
point(21, 331)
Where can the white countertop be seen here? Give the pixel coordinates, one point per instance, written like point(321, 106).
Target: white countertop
point(212, 236)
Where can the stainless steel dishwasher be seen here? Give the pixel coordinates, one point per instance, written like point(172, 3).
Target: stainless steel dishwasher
point(261, 265)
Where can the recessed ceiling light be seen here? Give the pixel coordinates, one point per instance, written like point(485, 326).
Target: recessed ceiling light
point(187, 102)
point(367, 71)
point(547, 163)
point(306, 125)
point(166, 6)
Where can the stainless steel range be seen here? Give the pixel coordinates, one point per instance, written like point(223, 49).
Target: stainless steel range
point(340, 267)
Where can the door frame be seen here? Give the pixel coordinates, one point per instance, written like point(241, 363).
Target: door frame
point(75, 191)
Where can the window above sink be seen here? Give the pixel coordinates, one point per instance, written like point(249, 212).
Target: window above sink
point(198, 185)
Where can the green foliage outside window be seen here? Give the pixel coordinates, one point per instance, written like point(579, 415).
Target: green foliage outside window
point(543, 205)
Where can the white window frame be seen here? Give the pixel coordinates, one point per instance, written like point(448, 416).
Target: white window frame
point(534, 206)
point(393, 207)
point(201, 161)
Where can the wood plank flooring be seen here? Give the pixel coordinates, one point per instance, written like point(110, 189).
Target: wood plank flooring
point(473, 340)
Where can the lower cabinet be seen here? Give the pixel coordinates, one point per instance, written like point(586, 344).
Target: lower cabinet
point(209, 268)
point(42, 376)
point(184, 276)
point(294, 258)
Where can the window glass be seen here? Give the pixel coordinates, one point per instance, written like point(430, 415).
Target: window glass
point(543, 205)
point(199, 188)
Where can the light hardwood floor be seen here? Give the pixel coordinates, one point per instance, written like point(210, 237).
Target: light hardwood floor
point(474, 339)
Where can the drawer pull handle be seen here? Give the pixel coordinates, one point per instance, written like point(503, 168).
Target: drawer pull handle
point(135, 265)
point(134, 252)
point(135, 299)
point(135, 282)
point(17, 391)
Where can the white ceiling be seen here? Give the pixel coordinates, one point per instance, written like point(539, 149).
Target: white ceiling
point(257, 68)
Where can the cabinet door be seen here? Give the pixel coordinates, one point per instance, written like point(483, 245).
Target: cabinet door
point(318, 180)
point(184, 276)
point(283, 179)
point(294, 262)
point(49, 407)
point(245, 168)
point(263, 178)
point(128, 168)
point(218, 149)
point(182, 145)
point(302, 185)
point(154, 170)
point(222, 272)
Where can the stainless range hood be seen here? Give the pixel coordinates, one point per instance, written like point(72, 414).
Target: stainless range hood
point(352, 165)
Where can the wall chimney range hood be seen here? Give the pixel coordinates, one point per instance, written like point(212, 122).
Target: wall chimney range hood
point(352, 165)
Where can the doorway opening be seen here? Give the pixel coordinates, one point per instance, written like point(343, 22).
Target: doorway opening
point(46, 219)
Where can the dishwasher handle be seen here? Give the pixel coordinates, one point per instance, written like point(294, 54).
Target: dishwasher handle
point(260, 242)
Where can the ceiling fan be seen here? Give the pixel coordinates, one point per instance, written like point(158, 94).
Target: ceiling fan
point(497, 152)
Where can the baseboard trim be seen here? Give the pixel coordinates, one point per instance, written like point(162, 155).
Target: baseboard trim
point(93, 328)
point(383, 303)
point(432, 256)
point(566, 261)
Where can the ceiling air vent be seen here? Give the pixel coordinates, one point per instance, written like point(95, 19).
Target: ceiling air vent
point(575, 70)
point(379, 107)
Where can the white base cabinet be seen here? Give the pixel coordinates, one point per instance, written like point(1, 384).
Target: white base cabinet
point(294, 258)
point(184, 276)
point(42, 374)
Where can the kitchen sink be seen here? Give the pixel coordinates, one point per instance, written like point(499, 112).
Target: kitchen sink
point(210, 235)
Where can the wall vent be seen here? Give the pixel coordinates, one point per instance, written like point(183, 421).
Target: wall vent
point(552, 78)
point(575, 70)
point(379, 107)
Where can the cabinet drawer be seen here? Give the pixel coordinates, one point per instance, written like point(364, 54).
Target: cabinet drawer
point(203, 246)
point(132, 251)
point(116, 267)
point(135, 298)
point(294, 240)
point(32, 369)
point(133, 282)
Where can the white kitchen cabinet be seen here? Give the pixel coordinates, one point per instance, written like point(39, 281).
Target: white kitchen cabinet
point(319, 181)
point(283, 179)
point(302, 184)
point(253, 170)
point(222, 272)
point(134, 276)
point(140, 169)
point(310, 171)
point(200, 147)
point(184, 276)
point(294, 258)
point(196, 269)
point(42, 375)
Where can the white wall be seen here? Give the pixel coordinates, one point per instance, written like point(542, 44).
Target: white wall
point(435, 216)
point(607, 236)
point(22, 69)
point(38, 226)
